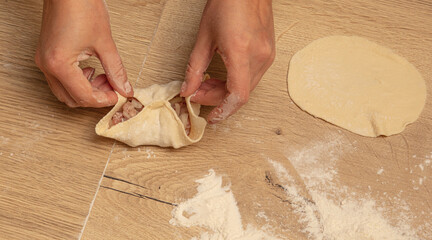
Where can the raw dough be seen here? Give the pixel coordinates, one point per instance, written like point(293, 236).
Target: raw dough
point(356, 84)
point(158, 123)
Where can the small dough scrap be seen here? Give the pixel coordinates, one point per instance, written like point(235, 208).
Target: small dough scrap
point(156, 124)
point(356, 84)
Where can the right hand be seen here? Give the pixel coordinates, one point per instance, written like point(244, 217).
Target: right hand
point(242, 33)
point(72, 31)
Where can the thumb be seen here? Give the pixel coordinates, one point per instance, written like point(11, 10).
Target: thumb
point(114, 69)
point(199, 60)
point(238, 88)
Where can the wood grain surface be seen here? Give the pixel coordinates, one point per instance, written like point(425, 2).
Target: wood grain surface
point(51, 161)
point(239, 147)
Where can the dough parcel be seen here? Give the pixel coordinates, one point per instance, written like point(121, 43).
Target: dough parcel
point(157, 123)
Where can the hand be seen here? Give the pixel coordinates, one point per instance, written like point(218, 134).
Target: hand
point(242, 33)
point(72, 31)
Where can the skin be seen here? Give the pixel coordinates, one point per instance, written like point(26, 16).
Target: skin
point(72, 31)
point(240, 31)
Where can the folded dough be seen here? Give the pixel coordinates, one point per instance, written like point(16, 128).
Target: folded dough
point(157, 123)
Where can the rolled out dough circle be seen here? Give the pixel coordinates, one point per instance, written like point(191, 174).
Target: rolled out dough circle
point(356, 84)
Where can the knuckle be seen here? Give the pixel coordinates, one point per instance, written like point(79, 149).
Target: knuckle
point(266, 51)
point(262, 48)
point(52, 59)
point(243, 98)
point(242, 43)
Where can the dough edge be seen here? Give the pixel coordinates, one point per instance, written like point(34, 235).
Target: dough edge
point(376, 130)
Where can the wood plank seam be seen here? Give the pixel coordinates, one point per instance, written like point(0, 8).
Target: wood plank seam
point(96, 192)
point(114, 144)
point(150, 45)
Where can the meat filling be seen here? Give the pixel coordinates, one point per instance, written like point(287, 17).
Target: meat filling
point(179, 105)
point(129, 110)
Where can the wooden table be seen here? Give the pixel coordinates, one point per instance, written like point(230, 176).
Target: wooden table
point(58, 180)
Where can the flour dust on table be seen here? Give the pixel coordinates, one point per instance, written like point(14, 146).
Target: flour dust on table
point(335, 211)
point(215, 208)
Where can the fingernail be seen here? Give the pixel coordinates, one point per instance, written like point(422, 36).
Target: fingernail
point(184, 87)
point(127, 87)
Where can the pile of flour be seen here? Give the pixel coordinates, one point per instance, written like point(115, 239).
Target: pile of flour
point(215, 208)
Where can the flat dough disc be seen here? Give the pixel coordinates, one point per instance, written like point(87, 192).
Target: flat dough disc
point(356, 84)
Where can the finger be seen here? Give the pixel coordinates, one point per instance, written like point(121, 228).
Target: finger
point(106, 87)
point(59, 91)
point(80, 89)
point(199, 60)
point(100, 83)
point(238, 88)
point(210, 93)
point(114, 69)
point(88, 72)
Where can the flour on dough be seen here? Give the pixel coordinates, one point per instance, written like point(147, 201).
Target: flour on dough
point(356, 84)
point(157, 123)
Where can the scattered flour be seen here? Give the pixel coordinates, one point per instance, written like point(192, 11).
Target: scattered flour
point(380, 171)
point(250, 118)
point(309, 164)
point(353, 219)
point(150, 153)
point(126, 154)
point(3, 140)
point(263, 215)
point(421, 167)
point(256, 141)
point(304, 207)
point(215, 208)
point(329, 211)
point(349, 219)
point(334, 211)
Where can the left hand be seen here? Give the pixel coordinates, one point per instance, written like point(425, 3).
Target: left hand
point(72, 31)
point(242, 33)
